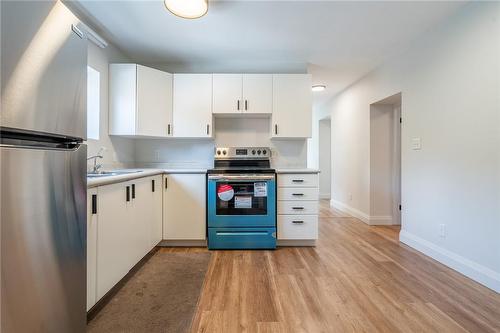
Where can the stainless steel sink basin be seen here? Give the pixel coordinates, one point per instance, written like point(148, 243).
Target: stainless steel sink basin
point(110, 173)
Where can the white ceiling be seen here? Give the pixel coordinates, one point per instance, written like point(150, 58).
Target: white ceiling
point(337, 42)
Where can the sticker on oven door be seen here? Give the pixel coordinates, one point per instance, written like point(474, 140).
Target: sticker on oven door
point(242, 201)
point(260, 189)
point(225, 192)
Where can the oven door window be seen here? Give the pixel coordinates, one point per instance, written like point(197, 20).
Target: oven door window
point(241, 198)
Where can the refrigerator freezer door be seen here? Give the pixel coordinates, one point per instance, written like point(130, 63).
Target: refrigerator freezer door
point(43, 240)
point(43, 68)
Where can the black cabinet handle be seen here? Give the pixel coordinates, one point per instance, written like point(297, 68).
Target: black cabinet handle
point(298, 194)
point(298, 208)
point(152, 185)
point(166, 182)
point(298, 180)
point(246, 104)
point(276, 129)
point(208, 129)
point(133, 191)
point(94, 204)
point(168, 129)
point(298, 222)
point(128, 193)
point(238, 105)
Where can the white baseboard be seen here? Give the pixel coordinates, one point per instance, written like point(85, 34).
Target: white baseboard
point(349, 210)
point(371, 220)
point(381, 220)
point(473, 270)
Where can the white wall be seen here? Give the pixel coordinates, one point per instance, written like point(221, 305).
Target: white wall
point(319, 112)
point(324, 156)
point(119, 151)
point(229, 132)
point(381, 162)
point(450, 87)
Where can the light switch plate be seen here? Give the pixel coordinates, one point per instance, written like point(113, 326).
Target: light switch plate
point(416, 144)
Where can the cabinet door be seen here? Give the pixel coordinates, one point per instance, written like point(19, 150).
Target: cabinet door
point(157, 211)
point(91, 246)
point(154, 102)
point(114, 236)
point(141, 214)
point(122, 99)
point(192, 105)
point(292, 106)
point(184, 205)
point(257, 93)
point(227, 93)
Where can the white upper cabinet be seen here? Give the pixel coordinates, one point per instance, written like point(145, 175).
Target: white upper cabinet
point(242, 93)
point(227, 93)
point(292, 106)
point(192, 106)
point(140, 101)
point(258, 93)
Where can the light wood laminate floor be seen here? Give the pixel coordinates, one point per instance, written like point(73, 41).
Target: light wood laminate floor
point(358, 278)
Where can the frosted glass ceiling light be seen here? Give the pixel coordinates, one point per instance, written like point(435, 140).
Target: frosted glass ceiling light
point(189, 9)
point(318, 87)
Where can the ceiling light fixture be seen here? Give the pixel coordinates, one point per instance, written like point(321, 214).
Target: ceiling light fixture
point(189, 9)
point(318, 87)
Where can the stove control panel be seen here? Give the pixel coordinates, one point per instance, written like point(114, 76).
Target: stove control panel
point(242, 153)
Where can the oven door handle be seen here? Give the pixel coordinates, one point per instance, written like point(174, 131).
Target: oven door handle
point(251, 177)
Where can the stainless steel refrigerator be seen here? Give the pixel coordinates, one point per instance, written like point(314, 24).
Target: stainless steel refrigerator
point(43, 168)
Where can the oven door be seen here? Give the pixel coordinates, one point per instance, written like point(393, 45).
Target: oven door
point(242, 200)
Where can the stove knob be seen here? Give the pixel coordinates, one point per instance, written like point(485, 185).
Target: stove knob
point(264, 152)
point(218, 152)
point(253, 152)
point(224, 152)
point(258, 152)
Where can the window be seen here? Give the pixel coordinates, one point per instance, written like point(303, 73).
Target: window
point(93, 103)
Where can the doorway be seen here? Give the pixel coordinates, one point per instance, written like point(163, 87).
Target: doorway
point(325, 161)
point(385, 161)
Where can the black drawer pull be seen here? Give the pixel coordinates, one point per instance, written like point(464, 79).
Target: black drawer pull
point(128, 193)
point(133, 191)
point(298, 194)
point(298, 180)
point(94, 203)
point(298, 208)
point(298, 222)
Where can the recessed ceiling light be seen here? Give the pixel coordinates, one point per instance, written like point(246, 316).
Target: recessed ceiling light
point(189, 9)
point(318, 87)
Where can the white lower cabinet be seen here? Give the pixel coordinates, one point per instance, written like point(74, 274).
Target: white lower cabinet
point(113, 235)
point(91, 246)
point(184, 202)
point(124, 223)
point(298, 196)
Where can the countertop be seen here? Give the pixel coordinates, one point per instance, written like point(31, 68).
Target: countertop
point(293, 170)
point(136, 173)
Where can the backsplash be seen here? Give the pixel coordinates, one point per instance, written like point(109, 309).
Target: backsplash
point(229, 132)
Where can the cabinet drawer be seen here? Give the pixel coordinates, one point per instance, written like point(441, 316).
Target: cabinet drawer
point(298, 180)
point(297, 207)
point(297, 226)
point(298, 193)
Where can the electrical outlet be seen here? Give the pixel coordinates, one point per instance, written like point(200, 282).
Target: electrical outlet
point(442, 230)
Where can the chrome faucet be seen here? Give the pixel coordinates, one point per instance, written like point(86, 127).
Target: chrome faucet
point(97, 167)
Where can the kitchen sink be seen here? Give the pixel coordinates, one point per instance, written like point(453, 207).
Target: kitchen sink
point(110, 173)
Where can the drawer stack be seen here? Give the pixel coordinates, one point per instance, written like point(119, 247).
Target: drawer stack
point(298, 206)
